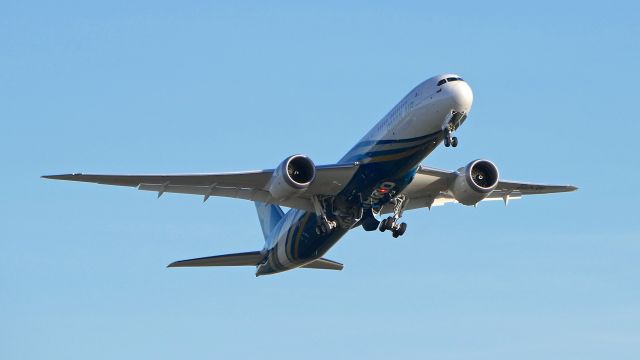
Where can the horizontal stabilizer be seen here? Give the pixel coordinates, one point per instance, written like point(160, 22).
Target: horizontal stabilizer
point(325, 264)
point(251, 258)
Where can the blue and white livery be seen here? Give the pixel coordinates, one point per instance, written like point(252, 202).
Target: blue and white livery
point(381, 174)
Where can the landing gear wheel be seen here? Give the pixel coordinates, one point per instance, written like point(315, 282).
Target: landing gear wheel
point(454, 141)
point(383, 226)
point(392, 222)
point(447, 142)
point(386, 224)
point(402, 229)
point(399, 230)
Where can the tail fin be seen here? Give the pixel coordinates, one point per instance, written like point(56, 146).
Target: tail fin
point(269, 216)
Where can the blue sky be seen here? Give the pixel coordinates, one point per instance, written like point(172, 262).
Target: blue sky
point(139, 87)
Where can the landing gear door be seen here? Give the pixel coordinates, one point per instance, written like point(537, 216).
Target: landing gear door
point(456, 119)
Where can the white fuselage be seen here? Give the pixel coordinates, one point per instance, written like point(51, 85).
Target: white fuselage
point(423, 110)
point(397, 143)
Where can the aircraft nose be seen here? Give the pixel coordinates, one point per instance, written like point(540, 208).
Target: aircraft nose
point(461, 96)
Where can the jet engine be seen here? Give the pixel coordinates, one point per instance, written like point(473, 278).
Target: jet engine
point(292, 176)
point(475, 182)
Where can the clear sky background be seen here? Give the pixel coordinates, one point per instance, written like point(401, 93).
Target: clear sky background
point(161, 87)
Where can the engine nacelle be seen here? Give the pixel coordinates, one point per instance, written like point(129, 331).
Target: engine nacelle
point(475, 182)
point(292, 176)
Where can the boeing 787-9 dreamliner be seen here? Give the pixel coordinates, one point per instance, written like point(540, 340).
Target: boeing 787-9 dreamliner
point(380, 175)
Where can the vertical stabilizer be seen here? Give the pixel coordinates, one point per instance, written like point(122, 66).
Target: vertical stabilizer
point(269, 216)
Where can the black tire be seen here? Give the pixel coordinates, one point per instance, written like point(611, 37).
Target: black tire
point(383, 225)
point(395, 234)
point(390, 222)
point(447, 143)
point(454, 141)
point(402, 229)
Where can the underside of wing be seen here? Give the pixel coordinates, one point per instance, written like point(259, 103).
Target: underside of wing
point(248, 179)
point(521, 188)
point(432, 187)
point(250, 185)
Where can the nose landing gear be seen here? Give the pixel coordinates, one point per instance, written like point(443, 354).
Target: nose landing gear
point(392, 222)
point(453, 122)
point(449, 139)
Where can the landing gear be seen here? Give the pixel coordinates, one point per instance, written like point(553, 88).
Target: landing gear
point(452, 123)
point(453, 141)
point(450, 140)
point(391, 223)
point(324, 224)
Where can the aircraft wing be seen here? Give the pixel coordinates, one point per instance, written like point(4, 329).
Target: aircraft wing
point(250, 185)
point(430, 187)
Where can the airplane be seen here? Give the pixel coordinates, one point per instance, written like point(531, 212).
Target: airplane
point(381, 174)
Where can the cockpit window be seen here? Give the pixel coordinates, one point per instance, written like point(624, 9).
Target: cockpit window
point(443, 81)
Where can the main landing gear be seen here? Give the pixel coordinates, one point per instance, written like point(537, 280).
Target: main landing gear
point(324, 224)
point(391, 223)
